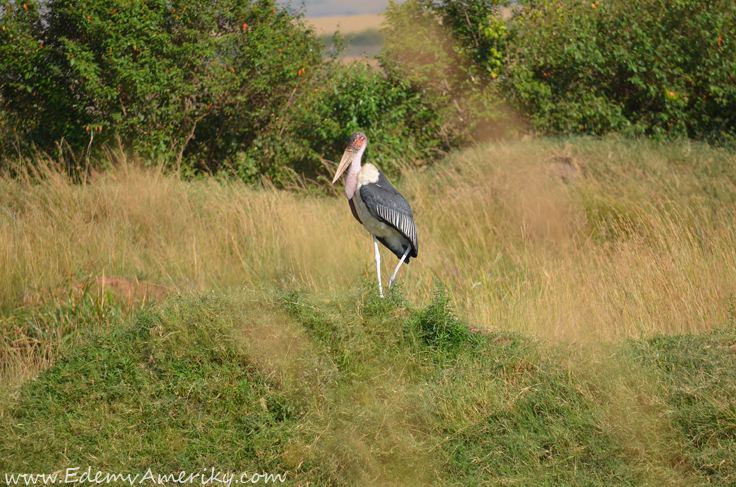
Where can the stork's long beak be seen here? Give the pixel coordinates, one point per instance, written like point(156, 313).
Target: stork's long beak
point(347, 159)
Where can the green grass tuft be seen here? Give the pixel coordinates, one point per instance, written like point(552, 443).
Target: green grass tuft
point(437, 326)
point(697, 376)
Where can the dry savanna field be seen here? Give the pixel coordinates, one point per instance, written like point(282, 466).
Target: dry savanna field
point(568, 240)
point(579, 245)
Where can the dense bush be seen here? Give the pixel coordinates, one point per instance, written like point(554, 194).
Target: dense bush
point(338, 99)
point(241, 85)
point(166, 77)
point(203, 86)
point(660, 68)
point(654, 67)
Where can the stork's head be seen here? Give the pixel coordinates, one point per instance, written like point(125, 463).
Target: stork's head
point(356, 146)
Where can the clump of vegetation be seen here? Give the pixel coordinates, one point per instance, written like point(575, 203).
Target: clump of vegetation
point(653, 68)
point(336, 100)
point(180, 373)
point(33, 334)
point(696, 374)
point(170, 80)
point(437, 326)
point(649, 67)
point(241, 87)
point(329, 390)
point(237, 87)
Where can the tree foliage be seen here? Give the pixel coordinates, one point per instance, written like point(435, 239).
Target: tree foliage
point(337, 100)
point(239, 85)
point(166, 76)
point(652, 67)
point(661, 68)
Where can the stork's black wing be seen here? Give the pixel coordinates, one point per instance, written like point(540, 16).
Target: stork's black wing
point(387, 205)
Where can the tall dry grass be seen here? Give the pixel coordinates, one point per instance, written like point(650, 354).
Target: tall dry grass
point(638, 239)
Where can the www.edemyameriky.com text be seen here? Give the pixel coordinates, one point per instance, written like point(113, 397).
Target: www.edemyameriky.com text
point(206, 476)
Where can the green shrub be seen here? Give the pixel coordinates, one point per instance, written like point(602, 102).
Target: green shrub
point(336, 100)
point(437, 326)
point(659, 68)
point(205, 87)
point(178, 80)
point(6, 131)
point(652, 67)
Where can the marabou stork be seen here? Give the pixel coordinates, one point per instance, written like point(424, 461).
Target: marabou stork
point(377, 205)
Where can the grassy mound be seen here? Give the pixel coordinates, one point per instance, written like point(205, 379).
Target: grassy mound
point(353, 390)
point(162, 390)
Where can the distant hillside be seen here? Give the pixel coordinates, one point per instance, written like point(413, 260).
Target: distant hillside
point(345, 24)
point(362, 31)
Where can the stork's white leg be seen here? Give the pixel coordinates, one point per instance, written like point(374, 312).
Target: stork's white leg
point(378, 266)
point(393, 276)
